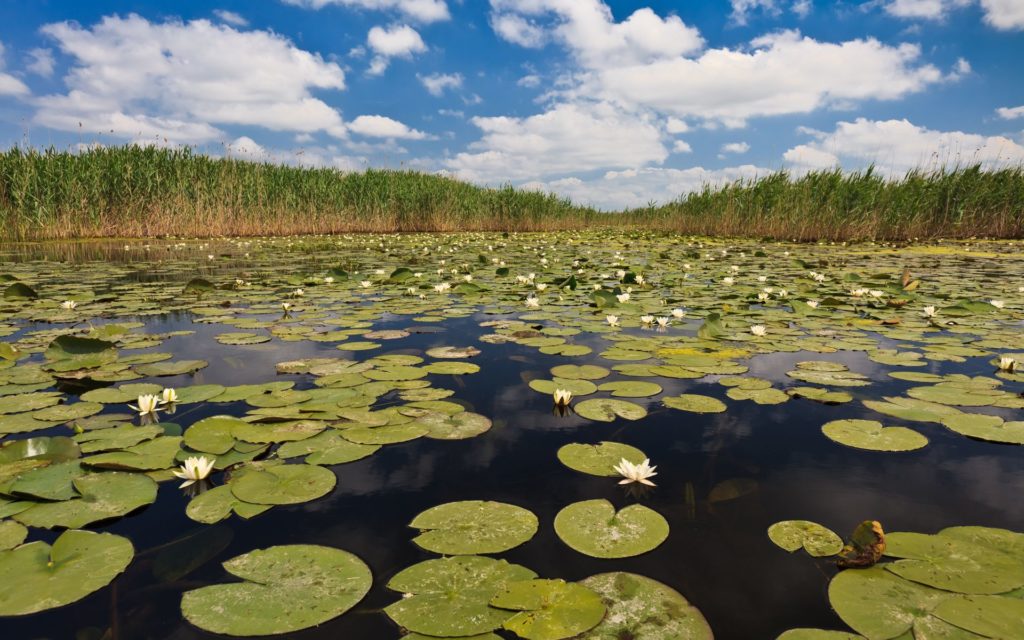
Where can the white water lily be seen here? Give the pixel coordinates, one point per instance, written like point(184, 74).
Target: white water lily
point(147, 404)
point(759, 330)
point(196, 468)
point(782, 293)
point(622, 297)
point(298, 293)
point(612, 320)
point(663, 322)
point(929, 311)
point(286, 306)
point(467, 278)
point(329, 280)
point(635, 472)
point(998, 304)
point(678, 314)
point(620, 274)
point(762, 296)
point(875, 293)
point(562, 397)
point(541, 286)
point(729, 280)
point(1008, 364)
point(858, 293)
point(533, 303)
point(647, 319)
point(168, 396)
point(762, 278)
point(819, 277)
point(734, 268)
point(366, 284)
point(68, 305)
point(813, 304)
point(640, 279)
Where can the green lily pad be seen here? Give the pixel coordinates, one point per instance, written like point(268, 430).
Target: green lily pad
point(213, 435)
point(986, 427)
point(694, 403)
point(327, 448)
point(53, 482)
point(448, 597)
point(639, 607)
point(175, 368)
point(607, 409)
point(78, 563)
point(28, 401)
point(242, 338)
point(457, 426)
point(576, 387)
point(595, 528)
point(598, 459)
point(121, 395)
point(819, 634)
point(988, 616)
point(871, 435)
point(388, 434)
point(284, 589)
point(453, 352)
point(879, 604)
point(52, 448)
point(218, 503)
point(580, 372)
point(815, 539)
point(284, 484)
point(120, 437)
point(631, 388)
point(957, 560)
point(198, 393)
point(11, 534)
point(549, 609)
point(147, 456)
point(759, 396)
point(103, 496)
point(472, 527)
point(288, 431)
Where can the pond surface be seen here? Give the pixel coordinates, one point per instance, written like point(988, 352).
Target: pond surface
point(939, 317)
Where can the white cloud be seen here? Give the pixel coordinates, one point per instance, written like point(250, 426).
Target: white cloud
point(735, 147)
point(783, 73)
point(531, 81)
point(231, 17)
point(639, 187)
point(518, 30)
point(802, 8)
point(681, 146)
point(9, 85)
point(40, 62)
point(437, 83)
point(420, 10)
point(675, 125)
point(451, 113)
point(1005, 15)
point(924, 9)
point(566, 139)
point(896, 146)
point(396, 41)
point(742, 8)
point(384, 127)
point(1010, 113)
point(246, 148)
point(138, 79)
point(589, 30)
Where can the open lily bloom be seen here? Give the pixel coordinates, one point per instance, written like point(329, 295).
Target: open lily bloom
point(1006, 363)
point(562, 397)
point(147, 405)
point(636, 472)
point(759, 330)
point(196, 468)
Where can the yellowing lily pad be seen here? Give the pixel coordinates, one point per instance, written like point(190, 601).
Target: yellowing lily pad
point(473, 526)
point(871, 435)
point(639, 607)
point(695, 403)
point(595, 528)
point(598, 459)
point(607, 409)
point(815, 539)
point(549, 609)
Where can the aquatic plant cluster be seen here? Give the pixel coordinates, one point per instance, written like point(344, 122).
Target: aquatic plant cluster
point(136, 191)
point(96, 415)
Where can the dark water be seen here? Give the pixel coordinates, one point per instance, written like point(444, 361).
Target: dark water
point(717, 553)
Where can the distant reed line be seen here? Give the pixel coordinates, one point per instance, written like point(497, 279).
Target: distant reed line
point(134, 191)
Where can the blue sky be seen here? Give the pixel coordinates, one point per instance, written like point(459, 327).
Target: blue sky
point(615, 104)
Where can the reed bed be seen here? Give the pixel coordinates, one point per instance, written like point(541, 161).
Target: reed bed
point(133, 191)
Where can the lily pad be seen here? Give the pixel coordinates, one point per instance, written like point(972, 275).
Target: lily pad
point(78, 563)
point(599, 459)
point(284, 484)
point(631, 388)
point(473, 526)
point(549, 609)
point(284, 589)
point(815, 539)
point(695, 403)
point(639, 607)
point(218, 503)
point(103, 496)
point(11, 534)
point(595, 528)
point(607, 409)
point(871, 435)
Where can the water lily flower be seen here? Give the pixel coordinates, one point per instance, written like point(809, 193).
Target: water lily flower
point(858, 293)
point(639, 279)
point(196, 468)
point(148, 404)
point(168, 396)
point(998, 304)
point(467, 278)
point(1008, 364)
point(762, 296)
point(819, 277)
point(286, 306)
point(734, 268)
point(366, 284)
point(875, 293)
point(329, 280)
point(729, 280)
point(298, 293)
point(663, 322)
point(635, 472)
point(612, 320)
point(678, 314)
point(441, 288)
point(622, 297)
point(533, 303)
point(68, 305)
point(813, 304)
point(647, 319)
point(562, 397)
point(759, 330)
point(782, 293)
point(541, 286)
point(762, 278)
point(620, 274)
point(379, 272)
point(929, 311)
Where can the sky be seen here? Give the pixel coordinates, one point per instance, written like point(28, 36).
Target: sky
point(613, 104)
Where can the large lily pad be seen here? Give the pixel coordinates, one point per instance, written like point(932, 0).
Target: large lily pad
point(639, 607)
point(283, 484)
point(608, 409)
point(474, 526)
point(549, 609)
point(284, 589)
point(103, 496)
point(598, 459)
point(595, 528)
point(448, 597)
point(961, 559)
point(78, 563)
point(871, 435)
point(695, 403)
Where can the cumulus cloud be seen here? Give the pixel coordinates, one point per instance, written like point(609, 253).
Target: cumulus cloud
point(742, 8)
point(517, 30)
point(396, 41)
point(639, 187)
point(1005, 15)
point(179, 80)
point(735, 147)
point(565, 139)
point(384, 127)
point(419, 10)
point(9, 85)
point(437, 83)
point(681, 146)
point(896, 146)
point(40, 61)
point(1010, 113)
point(231, 17)
point(246, 148)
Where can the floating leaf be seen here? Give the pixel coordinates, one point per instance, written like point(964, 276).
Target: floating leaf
point(284, 589)
point(218, 503)
point(871, 435)
point(448, 597)
point(607, 409)
point(473, 526)
point(695, 403)
point(213, 435)
point(955, 560)
point(631, 389)
point(11, 534)
point(815, 539)
point(579, 372)
point(458, 426)
point(283, 484)
point(78, 563)
point(595, 528)
point(642, 608)
point(549, 609)
point(598, 459)
point(103, 496)
point(176, 368)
